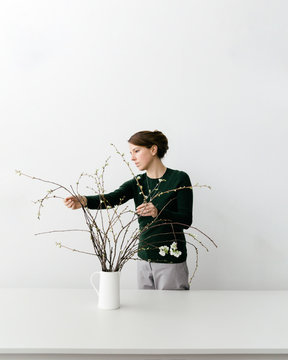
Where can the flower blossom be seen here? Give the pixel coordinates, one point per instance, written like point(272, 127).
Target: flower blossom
point(163, 250)
point(173, 250)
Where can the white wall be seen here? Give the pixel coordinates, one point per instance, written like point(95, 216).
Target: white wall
point(212, 75)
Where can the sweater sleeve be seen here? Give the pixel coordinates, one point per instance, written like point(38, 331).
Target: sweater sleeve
point(184, 205)
point(120, 195)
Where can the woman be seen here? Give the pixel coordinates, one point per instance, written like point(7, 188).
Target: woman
point(155, 269)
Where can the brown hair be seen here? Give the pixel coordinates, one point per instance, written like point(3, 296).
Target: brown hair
point(149, 138)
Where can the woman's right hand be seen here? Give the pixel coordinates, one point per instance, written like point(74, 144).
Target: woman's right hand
point(73, 202)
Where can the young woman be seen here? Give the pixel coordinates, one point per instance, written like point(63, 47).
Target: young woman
point(174, 211)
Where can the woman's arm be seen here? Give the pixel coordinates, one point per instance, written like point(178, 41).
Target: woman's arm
point(121, 195)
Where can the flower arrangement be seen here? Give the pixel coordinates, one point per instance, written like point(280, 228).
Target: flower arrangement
point(114, 241)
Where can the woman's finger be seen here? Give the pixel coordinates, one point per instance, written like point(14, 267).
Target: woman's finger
point(70, 198)
point(144, 205)
point(142, 209)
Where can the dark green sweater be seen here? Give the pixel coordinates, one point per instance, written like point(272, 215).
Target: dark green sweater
point(178, 210)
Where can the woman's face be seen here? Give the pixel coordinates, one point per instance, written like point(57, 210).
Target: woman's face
point(142, 156)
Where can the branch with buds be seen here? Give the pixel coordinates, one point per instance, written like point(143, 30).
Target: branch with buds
point(114, 241)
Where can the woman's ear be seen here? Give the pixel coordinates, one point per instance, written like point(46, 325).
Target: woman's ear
point(154, 149)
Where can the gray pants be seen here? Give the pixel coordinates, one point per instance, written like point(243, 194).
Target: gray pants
point(162, 276)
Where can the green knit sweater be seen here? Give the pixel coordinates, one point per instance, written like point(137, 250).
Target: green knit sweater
point(176, 205)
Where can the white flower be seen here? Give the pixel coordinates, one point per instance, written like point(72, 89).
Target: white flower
point(173, 250)
point(163, 250)
point(175, 253)
point(174, 246)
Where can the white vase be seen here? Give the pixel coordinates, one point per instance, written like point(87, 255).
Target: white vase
point(109, 289)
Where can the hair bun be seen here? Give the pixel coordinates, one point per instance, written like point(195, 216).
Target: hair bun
point(149, 138)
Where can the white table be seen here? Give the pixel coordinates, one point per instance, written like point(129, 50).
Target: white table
point(151, 324)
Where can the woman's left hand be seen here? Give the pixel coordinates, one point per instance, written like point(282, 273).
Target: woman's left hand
point(147, 209)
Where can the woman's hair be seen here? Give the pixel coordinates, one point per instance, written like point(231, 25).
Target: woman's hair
point(149, 138)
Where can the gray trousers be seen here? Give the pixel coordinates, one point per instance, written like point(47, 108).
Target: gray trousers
point(162, 276)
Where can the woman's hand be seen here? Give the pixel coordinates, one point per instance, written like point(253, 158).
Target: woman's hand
point(74, 203)
point(147, 209)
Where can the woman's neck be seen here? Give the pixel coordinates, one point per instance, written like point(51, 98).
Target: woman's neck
point(156, 170)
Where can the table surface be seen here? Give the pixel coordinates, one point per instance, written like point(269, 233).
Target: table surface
point(51, 321)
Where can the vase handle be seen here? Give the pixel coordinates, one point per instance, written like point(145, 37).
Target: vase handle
point(92, 283)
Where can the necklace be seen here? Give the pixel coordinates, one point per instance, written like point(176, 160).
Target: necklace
point(152, 193)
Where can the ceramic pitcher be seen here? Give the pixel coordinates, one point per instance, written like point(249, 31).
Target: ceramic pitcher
point(109, 289)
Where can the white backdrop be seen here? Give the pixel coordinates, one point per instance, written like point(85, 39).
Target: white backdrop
point(212, 75)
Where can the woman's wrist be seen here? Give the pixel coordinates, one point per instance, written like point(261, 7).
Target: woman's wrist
point(84, 201)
